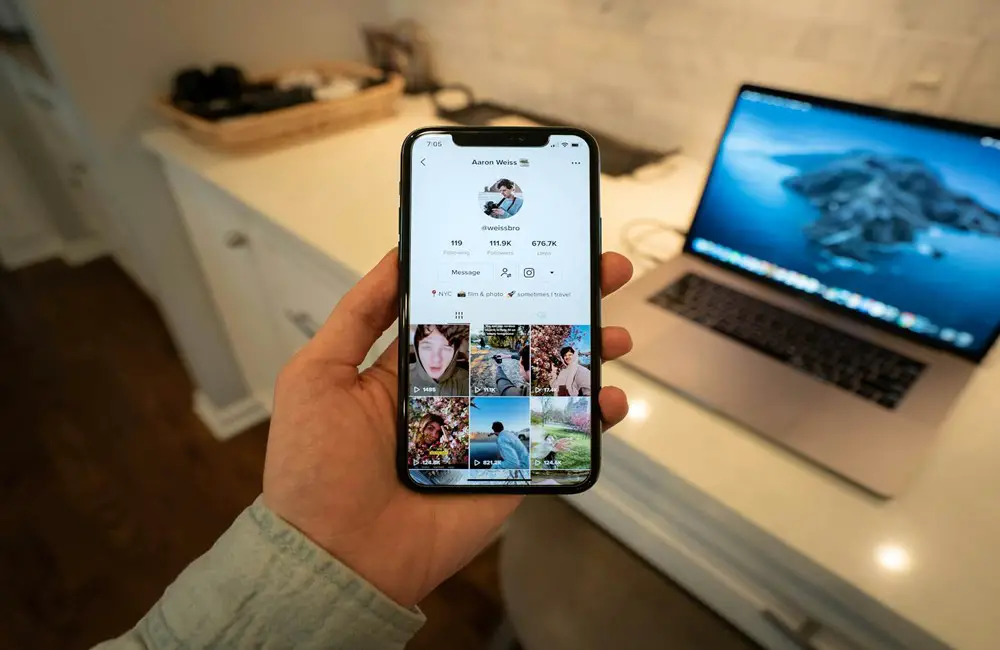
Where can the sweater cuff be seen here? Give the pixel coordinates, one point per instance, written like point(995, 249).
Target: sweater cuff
point(302, 552)
point(265, 584)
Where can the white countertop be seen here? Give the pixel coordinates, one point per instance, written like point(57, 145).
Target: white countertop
point(928, 555)
point(340, 193)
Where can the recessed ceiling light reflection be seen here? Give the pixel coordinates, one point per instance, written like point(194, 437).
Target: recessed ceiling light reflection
point(638, 410)
point(893, 557)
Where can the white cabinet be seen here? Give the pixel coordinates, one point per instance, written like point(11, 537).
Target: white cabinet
point(685, 562)
point(300, 294)
point(761, 586)
point(272, 291)
point(222, 232)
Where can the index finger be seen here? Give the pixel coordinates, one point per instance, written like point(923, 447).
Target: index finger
point(616, 271)
point(361, 316)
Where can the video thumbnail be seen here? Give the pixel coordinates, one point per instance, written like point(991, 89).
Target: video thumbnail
point(501, 431)
point(560, 433)
point(439, 476)
point(438, 433)
point(500, 363)
point(501, 200)
point(506, 477)
point(559, 477)
point(560, 360)
point(439, 360)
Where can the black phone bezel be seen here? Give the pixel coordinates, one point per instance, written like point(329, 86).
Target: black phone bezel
point(527, 137)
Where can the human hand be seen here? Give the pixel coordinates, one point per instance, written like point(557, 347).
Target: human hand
point(330, 469)
point(497, 212)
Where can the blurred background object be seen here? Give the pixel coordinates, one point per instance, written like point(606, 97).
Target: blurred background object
point(227, 109)
point(403, 48)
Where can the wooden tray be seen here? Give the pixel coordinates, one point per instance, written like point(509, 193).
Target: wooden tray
point(286, 126)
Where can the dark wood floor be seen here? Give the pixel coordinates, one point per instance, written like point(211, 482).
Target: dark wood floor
point(110, 486)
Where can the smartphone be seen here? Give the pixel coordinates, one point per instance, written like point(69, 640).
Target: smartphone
point(499, 312)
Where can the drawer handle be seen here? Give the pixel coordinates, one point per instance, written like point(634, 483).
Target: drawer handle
point(236, 239)
point(303, 322)
point(801, 637)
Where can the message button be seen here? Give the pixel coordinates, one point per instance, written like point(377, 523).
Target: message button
point(464, 271)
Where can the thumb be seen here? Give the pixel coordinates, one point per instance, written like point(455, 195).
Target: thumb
point(361, 316)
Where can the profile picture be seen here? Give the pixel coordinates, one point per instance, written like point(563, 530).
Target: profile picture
point(560, 360)
point(500, 360)
point(438, 433)
point(439, 360)
point(560, 433)
point(501, 200)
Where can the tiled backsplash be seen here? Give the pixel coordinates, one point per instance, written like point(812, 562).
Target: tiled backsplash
point(663, 72)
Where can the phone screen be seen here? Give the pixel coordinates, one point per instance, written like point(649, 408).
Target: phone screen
point(500, 352)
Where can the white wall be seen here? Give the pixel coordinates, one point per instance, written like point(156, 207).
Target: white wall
point(663, 71)
point(111, 57)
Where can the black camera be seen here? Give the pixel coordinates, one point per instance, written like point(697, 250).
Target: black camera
point(490, 207)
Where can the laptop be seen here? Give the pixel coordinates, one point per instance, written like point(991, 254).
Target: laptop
point(839, 283)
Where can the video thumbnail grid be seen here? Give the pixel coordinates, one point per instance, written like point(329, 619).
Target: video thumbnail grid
point(499, 404)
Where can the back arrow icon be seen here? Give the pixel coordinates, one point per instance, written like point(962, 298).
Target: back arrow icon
point(422, 161)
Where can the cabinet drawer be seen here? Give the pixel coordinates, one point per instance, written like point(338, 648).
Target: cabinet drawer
point(303, 287)
point(743, 604)
point(302, 293)
point(220, 231)
point(848, 619)
point(761, 614)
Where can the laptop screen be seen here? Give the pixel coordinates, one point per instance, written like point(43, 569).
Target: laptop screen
point(894, 217)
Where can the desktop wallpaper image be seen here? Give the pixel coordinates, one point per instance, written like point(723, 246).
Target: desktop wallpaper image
point(906, 215)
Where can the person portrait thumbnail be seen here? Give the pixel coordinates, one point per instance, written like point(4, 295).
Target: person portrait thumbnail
point(439, 360)
point(438, 430)
point(501, 429)
point(560, 360)
point(502, 200)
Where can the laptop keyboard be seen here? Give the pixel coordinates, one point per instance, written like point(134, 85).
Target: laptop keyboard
point(865, 369)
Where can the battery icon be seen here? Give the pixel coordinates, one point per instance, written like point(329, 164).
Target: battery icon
point(575, 144)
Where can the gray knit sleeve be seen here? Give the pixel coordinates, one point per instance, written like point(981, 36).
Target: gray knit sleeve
point(265, 585)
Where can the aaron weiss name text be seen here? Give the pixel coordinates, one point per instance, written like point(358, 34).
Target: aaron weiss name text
point(512, 163)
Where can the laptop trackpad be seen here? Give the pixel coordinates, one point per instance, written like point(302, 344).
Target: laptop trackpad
point(726, 376)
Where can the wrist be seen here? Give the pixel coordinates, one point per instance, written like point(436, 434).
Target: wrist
point(389, 568)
